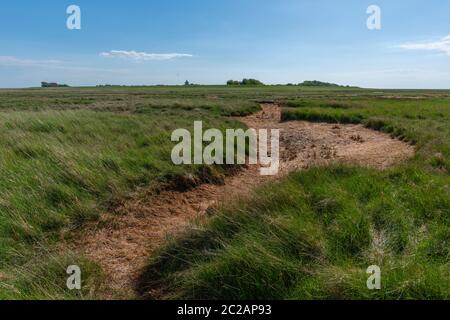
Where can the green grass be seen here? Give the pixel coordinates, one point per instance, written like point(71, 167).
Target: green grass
point(61, 167)
point(424, 122)
point(43, 276)
point(69, 155)
point(314, 234)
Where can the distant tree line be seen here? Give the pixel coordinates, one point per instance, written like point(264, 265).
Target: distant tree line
point(52, 85)
point(245, 82)
point(316, 83)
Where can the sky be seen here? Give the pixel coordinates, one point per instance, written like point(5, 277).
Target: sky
point(149, 42)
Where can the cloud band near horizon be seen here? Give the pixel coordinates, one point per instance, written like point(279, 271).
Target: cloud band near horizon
point(143, 56)
point(442, 45)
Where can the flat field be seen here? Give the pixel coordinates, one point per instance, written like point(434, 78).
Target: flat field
point(70, 158)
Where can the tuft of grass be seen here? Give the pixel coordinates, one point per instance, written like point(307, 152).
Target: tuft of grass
point(69, 155)
point(331, 116)
point(61, 168)
point(313, 235)
point(44, 277)
point(423, 122)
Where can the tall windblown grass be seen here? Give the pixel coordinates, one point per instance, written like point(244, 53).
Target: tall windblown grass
point(60, 169)
point(314, 234)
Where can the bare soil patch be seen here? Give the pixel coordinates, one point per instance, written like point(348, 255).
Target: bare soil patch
point(122, 243)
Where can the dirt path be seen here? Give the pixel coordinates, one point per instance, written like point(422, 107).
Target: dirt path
point(123, 243)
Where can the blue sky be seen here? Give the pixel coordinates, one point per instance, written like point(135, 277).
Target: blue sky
point(210, 41)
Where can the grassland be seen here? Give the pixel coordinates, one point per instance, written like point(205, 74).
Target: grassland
point(69, 155)
point(314, 234)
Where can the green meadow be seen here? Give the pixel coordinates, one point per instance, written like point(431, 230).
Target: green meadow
point(70, 155)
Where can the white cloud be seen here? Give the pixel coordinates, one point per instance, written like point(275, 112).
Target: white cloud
point(143, 56)
point(442, 45)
